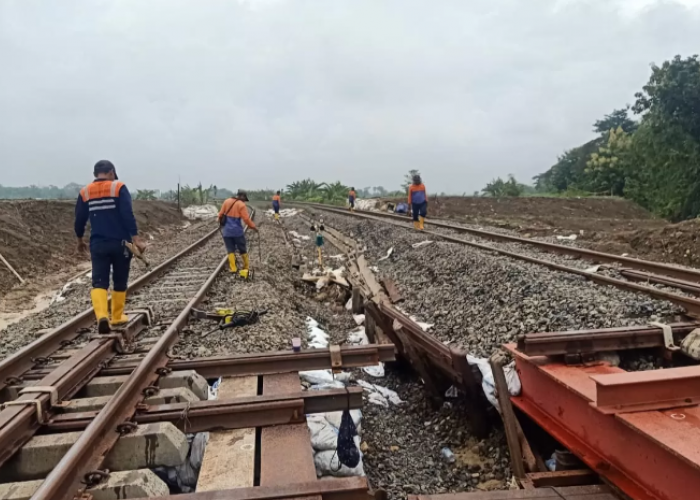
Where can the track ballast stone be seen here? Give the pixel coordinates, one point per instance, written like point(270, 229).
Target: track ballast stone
point(479, 300)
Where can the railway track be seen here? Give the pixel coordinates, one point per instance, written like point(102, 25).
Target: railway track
point(574, 399)
point(58, 440)
point(681, 279)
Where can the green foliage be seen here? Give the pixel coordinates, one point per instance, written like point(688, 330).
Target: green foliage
point(408, 179)
point(67, 192)
point(617, 119)
point(145, 194)
point(606, 169)
point(655, 162)
point(499, 188)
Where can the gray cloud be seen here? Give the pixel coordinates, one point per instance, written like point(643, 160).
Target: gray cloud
point(260, 93)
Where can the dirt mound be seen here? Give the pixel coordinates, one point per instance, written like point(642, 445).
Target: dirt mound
point(597, 208)
point(674, 243)
point(37, 237)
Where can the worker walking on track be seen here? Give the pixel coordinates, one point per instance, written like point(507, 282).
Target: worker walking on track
point(276, 205)
point(232, 216)
point(418, 202)
point(106, 203)
point(351, 199)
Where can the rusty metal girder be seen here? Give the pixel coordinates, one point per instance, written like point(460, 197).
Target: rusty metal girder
point(236, 413)
point(581, 342)
point(22, 360)
point(648, 455)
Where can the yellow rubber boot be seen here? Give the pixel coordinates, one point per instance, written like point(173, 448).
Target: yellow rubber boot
point(320, 257)
point(232, 262)
point(118, 303)
point(416, 224)
point(99, 304)
point(421, 220)
point(246, 265)
point(277, 217)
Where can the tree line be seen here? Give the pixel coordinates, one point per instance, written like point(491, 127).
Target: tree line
point(652, 158)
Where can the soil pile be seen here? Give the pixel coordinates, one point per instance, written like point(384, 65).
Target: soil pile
point(674, 243)
point(37, 237)
point(579, 208)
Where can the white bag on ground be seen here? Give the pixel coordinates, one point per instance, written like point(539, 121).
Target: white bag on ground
point(328, 464)
point(487, 383)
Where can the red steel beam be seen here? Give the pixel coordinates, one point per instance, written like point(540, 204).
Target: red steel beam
point(648, 390)
point(649, 455)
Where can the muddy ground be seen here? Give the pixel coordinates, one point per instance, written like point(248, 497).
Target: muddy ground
point(605, 224)
point(37, 236)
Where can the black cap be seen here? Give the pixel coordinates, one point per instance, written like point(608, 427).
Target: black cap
point(242, 195)
point(105, 167)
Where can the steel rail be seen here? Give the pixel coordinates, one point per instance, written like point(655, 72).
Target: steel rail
point(269, 363)
point(21, 361)
point(89, 451)
point(580, 342)
point(234, 413)
point(692, 306)
point(21, 419)
point(685, 274)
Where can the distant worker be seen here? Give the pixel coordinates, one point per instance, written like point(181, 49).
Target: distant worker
point(351, 198)
point(418, 201)
point(106, 203)
point(232, 216)
point(276, 205)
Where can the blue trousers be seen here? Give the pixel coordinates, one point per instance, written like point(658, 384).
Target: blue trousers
point(276, 207)
point(235, 243)
point(106, 256)
point(419, 209)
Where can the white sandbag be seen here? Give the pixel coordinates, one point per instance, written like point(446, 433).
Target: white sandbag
point(315, 377)
point(487, 383)
point(328, 464)
point(334, 417)
point(376, 371)
point(323, 435)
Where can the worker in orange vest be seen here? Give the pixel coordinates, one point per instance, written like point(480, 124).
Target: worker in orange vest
point(418, 202)
point(106, 203)
point(232, 216)
point(276, 205)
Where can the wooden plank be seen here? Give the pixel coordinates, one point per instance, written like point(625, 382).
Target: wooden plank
point(286, 456)
point(508, 416)
point(229, 458)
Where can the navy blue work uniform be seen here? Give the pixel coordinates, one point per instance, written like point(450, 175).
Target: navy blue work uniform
point(107, 205)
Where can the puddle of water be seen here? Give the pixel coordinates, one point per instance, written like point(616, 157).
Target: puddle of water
point(41, 302)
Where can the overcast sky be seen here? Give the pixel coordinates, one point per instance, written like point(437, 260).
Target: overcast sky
point(259, 93)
